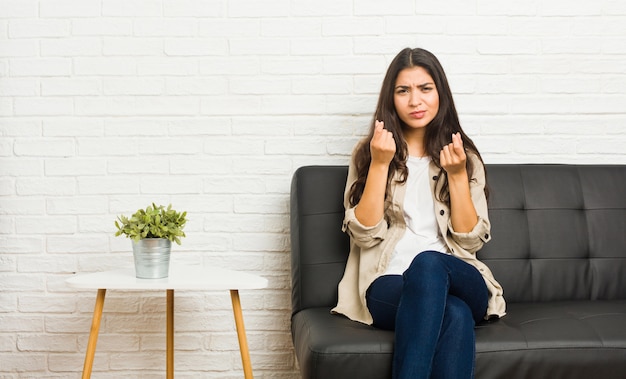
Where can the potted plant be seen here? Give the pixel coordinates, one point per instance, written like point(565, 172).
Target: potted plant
point(152, 231)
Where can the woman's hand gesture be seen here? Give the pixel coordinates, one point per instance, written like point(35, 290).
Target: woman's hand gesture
point(452, 157)
point(382, 146)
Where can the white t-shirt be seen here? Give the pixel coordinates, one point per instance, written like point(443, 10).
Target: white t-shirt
point(422, 232)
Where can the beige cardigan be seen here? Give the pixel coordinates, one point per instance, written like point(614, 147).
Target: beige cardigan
point(371, 247)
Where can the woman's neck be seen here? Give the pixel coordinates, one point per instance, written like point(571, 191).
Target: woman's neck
point(415, 142)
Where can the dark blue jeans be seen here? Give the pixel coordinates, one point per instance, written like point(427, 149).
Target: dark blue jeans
point(433, 308)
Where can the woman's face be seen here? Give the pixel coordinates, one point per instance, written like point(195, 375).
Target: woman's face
point(415, 97)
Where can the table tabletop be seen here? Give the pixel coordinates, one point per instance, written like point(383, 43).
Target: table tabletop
point(181, 277)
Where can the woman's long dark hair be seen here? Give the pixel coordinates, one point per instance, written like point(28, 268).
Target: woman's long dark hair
point(438, 132)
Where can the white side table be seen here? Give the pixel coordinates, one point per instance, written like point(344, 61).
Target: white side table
point(181, 277)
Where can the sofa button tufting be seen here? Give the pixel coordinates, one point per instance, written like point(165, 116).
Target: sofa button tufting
point(435, 177)
point(442, 212)
point(487, 236)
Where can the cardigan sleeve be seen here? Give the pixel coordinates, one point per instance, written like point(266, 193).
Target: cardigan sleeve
point(474, 240)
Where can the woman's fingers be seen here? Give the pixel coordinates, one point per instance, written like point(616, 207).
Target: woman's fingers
point(382, 146)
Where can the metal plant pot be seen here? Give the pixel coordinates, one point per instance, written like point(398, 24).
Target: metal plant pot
point(152, 258)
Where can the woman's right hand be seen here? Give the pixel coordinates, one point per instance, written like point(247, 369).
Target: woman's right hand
point(382, 145)
point(371, 207)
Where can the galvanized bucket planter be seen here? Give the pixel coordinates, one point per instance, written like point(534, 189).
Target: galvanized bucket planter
point(152, 258)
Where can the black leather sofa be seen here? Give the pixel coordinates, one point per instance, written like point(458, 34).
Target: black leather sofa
point(558, 249)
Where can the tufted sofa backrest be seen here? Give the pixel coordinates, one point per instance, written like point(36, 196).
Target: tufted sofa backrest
point(558, 232)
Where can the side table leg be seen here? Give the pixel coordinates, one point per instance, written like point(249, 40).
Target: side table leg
point(170, 334)
point(241, 334)
point(93, 334)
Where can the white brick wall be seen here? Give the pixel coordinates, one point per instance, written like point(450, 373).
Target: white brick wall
point(108, 105)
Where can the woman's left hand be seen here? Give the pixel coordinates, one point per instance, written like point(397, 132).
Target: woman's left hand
point(452, 157)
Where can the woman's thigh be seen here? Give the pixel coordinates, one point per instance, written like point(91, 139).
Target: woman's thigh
point(463, 281)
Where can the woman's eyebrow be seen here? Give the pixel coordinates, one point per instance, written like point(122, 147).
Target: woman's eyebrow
point(420, 86)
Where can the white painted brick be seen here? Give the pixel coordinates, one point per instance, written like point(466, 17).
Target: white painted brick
point(228, 105)
point(45, 225)
point(574, 8)
point(41, 67)
point(7, 186)
point(17, 127)
point(193, 8)
point(196, 47)
point(71, 47)
point(8, 264)
point(323, 84)
point(75, 167)
point(19, 87)
point(137, 8)
point(137, 106)
point(230, 28)
point(209, 165)
point(18, 48)
point(259, 46)
point(401, 7)
point(229, 66)
point(102, 27)
point(348, 26)
point(167, 66)
point(127, 127)
point(259, 85)
point(160, 27)
point(76, 205)
point(303, 8)
point(48, 106)
point(294, 105)
point(196, 85)
point(37, 28)
point(295, 146)
point(348, 65)
point(10, 282)
point(170, 185)
point(19, 8)
point(72, 127)
point(322, 46)
point(258, 8)
point(159, 146)
point(291, 28)
point(116, 46)
point(265, 126)
point(72, 244)
point(200, 126)
point(28, 362)
point(108, 185)
point(133, 86)
point(104, 66)
point(46, 264)
point(20, 245)
point(499, 45)
point(42, 304)
point(22, 167)
point(233, 146)
point(571, 45)
point(137, 165)
point(292, 65)
point(69, 8)
point(47, 186)
point(421, 24)
point(506, 8)
point(70, 87)
point(46, 343)
point(44, 148)
point(22, 206)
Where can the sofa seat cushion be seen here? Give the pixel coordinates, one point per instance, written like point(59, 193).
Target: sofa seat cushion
point(332, 346)
point(569, 339)
point(574, 339)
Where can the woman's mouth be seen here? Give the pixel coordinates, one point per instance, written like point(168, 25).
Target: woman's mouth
point(418, 114)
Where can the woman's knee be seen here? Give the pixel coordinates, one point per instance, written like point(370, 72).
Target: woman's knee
point(427, 261)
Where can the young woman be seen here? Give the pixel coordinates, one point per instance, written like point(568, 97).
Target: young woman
point(416, 214)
